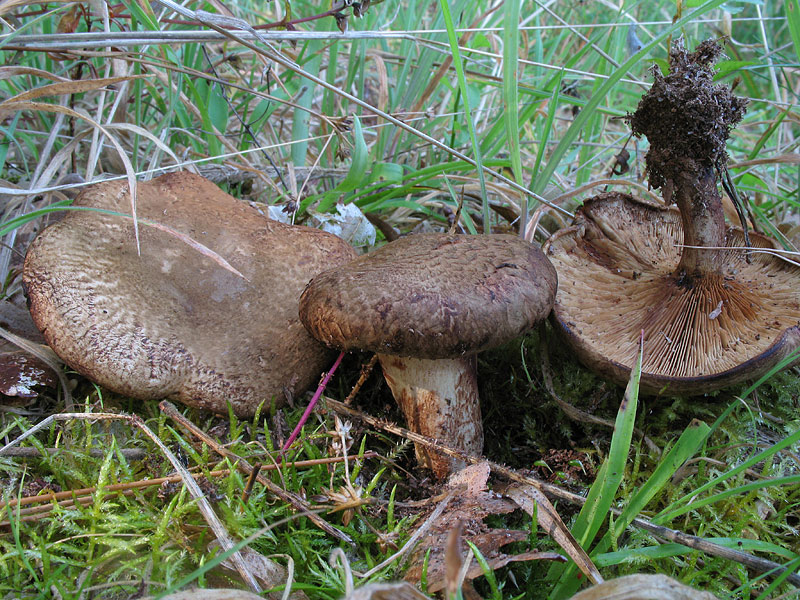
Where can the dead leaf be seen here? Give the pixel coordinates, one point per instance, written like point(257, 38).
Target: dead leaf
point(8, 72)
point(69, 87)
point(269, 573)
point(70, 19)
point(211, 594)
point(643, 587)
point(387, 591)
point(471, 503)
point(533, 501)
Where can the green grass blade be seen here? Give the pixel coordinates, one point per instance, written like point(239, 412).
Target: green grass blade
point(793, 20)
point(588, 111)
point(462, 85)
point(687, 445)
point(552, 109)
point(604, 490)
point(510, 89)
point(302, 118)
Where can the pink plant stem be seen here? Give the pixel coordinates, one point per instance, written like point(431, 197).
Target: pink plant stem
point(313, 403)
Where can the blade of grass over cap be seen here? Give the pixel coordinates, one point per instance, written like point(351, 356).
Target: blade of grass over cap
point(462, 86)
point(510, 88)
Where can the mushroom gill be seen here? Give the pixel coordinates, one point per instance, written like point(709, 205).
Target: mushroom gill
point(617, 264)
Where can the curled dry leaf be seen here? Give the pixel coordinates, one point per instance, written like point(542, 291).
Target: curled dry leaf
point(211, 594)
point(643, 587)
point(533, 501)
point(467, 509)
point(269, 573)
point(387, 591)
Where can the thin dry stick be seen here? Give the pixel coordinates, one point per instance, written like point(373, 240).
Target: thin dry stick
point(762, 565)
point(245, 467)
point(59, 497)
point(365, 371)
point(413, 539)
point(128, 453)
point(191, 485)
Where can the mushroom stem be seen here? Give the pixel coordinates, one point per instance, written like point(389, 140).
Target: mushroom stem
point(439, 398)
point(697, 197)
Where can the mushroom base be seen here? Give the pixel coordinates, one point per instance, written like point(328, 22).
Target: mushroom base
point(439, 399)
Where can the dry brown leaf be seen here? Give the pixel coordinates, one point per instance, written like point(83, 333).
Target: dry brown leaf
point(70, 20)
point(533, 501)
point(70, 86)
point(10, 5)
point(643, 587)
point(387, 591)
point(17, 71)
point(467, 509)
point(383, 80)
point(267, 572)
point(211, 594)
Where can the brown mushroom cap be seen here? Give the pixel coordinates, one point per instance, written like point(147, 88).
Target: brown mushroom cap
point(617, 267)
point(432, 296)
point(172, 322)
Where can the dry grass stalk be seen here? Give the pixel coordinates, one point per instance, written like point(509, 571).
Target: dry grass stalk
point(245, 467)
point(203, 505)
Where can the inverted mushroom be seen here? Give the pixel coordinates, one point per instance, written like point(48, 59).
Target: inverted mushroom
point(173, 322)
point(710, 317)
point(426, 304)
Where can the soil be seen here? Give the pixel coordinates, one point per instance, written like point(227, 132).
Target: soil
point(685, 116)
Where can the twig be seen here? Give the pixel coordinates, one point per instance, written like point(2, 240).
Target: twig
point(245, 467)
point(128, 453)
point(762, 565)
point(365, 371)
point(70, 495)
point(312, 403)
point(123, 488)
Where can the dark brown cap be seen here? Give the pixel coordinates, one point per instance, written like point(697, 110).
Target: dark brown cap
point(173, 322)
point(432, 296)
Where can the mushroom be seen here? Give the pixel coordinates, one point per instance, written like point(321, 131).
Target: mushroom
point(172, 322)
point(712, 314)
point(427, 304)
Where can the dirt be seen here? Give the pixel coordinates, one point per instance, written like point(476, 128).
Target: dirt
point(686, 117)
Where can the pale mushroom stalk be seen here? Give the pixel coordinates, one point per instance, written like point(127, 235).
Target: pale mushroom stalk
point(439, 399)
